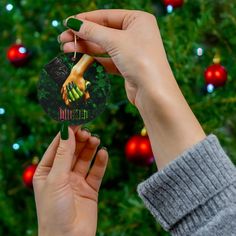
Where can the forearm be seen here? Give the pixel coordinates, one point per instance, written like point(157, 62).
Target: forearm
point(170, 123)
point(82, 65)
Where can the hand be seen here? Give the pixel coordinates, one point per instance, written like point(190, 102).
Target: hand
point(133, 42)
point(75, 85)
point(66, 192)
point(72, 93)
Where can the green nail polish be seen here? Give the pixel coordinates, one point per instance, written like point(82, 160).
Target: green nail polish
point(104, 148)
point(96, 136)
point(70, 85)
point(64, 22)
point(71, 96)
point(79, 92)
point(76, 95)
point(69, 93)
point(61, 46)
point(85, 129)
point(58, 39)
point(74, 24)
point(64, 131)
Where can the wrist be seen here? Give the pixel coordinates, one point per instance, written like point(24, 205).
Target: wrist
point(50, 233)
point(156, 91)
point(46, 231)
point(171, 125)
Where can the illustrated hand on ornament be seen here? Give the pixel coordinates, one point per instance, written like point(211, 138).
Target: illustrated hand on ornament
point(75, 86)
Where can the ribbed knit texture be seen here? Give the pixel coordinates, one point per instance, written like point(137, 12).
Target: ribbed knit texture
point(196, 193)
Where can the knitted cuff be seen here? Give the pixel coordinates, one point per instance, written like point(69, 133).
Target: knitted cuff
point(188, 184)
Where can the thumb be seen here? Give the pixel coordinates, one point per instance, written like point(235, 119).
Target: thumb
point(99, 34)
point(65, 152)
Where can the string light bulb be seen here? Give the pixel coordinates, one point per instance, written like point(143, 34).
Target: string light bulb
point(9, 7)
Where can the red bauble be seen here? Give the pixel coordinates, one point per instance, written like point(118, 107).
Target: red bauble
point(138, 150)
point(18, 55)
point(28, 175)
point(216, 75)
point(174, 3)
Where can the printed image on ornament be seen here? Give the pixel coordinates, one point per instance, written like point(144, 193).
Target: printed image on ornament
point(73, 89)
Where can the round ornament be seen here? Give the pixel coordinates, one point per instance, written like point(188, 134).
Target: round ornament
point(73, 89)
point(174, 3)
point(138, 150)
point(28, 175)
point(215, 75)
point(18, 55)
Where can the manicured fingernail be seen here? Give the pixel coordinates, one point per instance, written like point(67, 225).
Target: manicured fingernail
point(58, 39)
point(85, 129)
point(96, 136)
point(61, 46)
point(74, 24)
point(104, 148)
point(64, 131)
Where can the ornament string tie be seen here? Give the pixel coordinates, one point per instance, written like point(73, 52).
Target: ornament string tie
point(75, 45)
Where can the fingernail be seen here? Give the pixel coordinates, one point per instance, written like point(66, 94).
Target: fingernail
point(104, 148)
point(95, 135)
point(64, 131)
point(58, 39)
point(85, 129)
point(64, 22)
point(61, 46)
point(74, 24)
point(70, 85)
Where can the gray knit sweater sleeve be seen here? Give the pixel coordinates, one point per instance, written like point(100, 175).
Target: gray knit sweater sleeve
point(196, 193)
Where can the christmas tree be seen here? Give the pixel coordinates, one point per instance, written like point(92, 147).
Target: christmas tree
point(200, 43)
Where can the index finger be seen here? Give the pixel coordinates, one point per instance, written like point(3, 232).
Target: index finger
point(113, 18)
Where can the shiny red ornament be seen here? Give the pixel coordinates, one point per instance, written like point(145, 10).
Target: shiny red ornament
point(18, 55)
point(28, 175)
point(138, 150)
point(216, 75)
point(174, 3)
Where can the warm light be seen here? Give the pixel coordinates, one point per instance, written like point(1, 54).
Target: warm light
point(132, 146)
point(209, 74)
point(28, 174)
point(217, 74)
point(143, 146)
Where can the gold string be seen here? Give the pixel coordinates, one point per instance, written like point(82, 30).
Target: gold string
point(75, 44)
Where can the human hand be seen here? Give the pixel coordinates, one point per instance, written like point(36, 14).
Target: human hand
point(132, 40)
point(66, 192)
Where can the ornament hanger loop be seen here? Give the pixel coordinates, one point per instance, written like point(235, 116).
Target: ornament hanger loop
point(75, 45)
